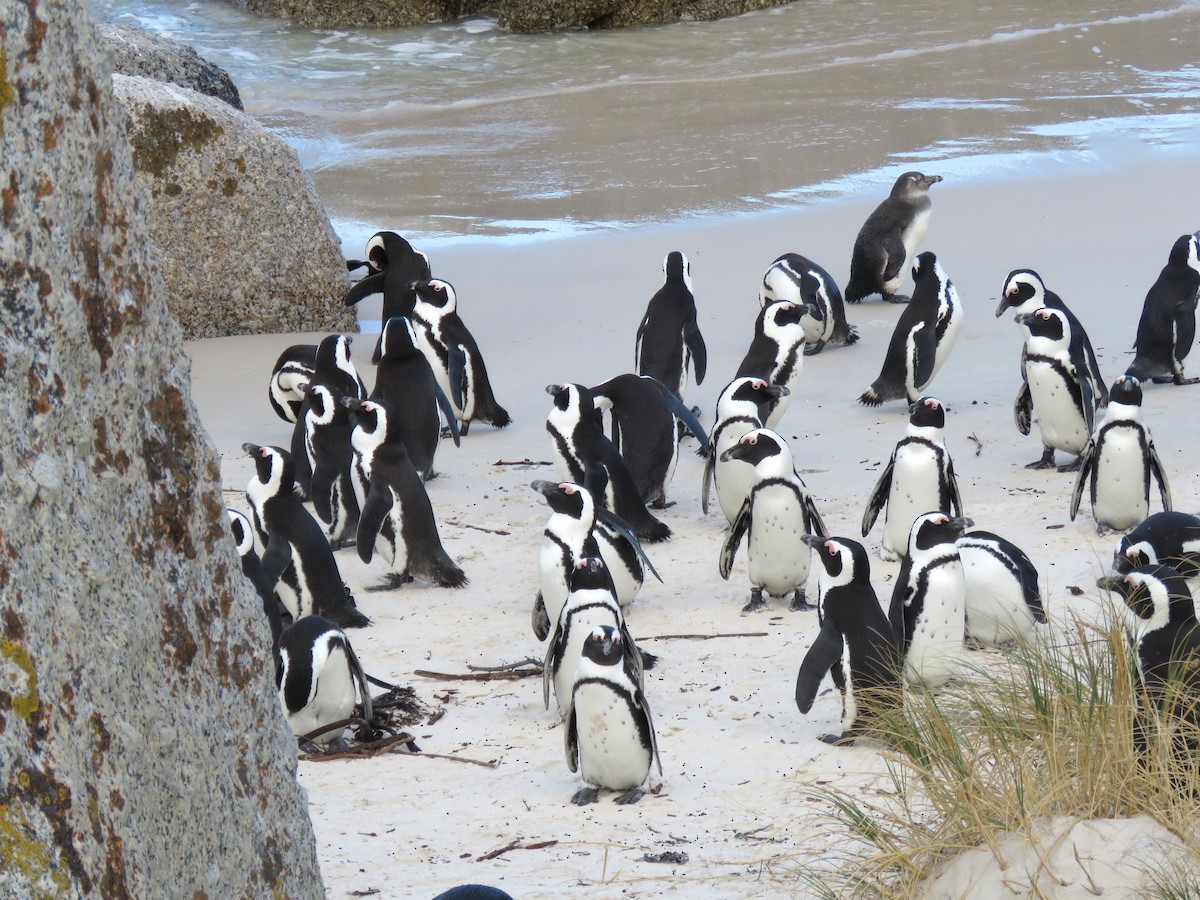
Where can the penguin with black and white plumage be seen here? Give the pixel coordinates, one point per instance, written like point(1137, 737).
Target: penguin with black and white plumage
point(919, 477)
point(742, 406)
point(577, 440)
point(1167, 328)
point(590, 603)
point(290, 375)
point(327, 429)
point(454, 356)
point(928, 607)
point(243, 538)
point(397, 518)
point(645, 431)
point(774, 518)
point(393, 266)
point(1003, 600)
point(404, 378)
point(799, 280)
point(1025, 292)
point(579, 529)
point(609, 735)
point(296, 557)
point(669, 338)
point(1167, 538)
point(1118, 463)
point(1167, 637)
point(776, 353)
point(923, 337)
point(856, 643)
point(333, 368)
point(887, 242)
point(1056, 388)
point(320, 680)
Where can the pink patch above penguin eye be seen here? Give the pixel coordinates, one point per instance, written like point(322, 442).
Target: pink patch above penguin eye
point(567, 488)
point(1043, 313)
point(759, 384)
point(833, 548)
point(932, 404)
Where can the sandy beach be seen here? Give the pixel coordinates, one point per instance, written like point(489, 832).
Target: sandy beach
point(738, 757)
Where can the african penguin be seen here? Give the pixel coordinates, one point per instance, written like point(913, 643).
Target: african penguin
point(742, 406)
point(404, 379)
point(928, 607)
point(319, 679)
point(776, 514)
point(644, 430)
point(577, 440)
point(776, 353)
point(327, 430)
point(923, 337)
point(801, 281)
point(454, 356)
point(296, 558)
point(856, 640)
point(396, 513)
point(1055, 388)
point(919, 477)
point(1167, 327)
point(1118, 461)
point(888, 240)
point(243, 538)
point(290, 375)
point(332, 367)
point(393, 267)
point(609, 735)
point(1003, 600)
point(1169, 538)
point(669, 338)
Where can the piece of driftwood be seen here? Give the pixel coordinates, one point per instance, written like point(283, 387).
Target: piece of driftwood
point(514, 845)
point(363, 751)
point(503, 675)
point(703, 637)
point(522, 462)
point(458, 524)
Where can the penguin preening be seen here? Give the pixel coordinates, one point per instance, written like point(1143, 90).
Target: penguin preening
point(1168, 538)
point(923, 337)
point(1003, 599)
point(822, 314)
point(776, 353)
point(1167, 327)
point(919, 477)
point(319, 679)
point(856, 641)
point(393, 269)
point(742, 406)
point(775, 516)
point(1118, 462)
point(669, 338)
point(333, 368)
point(609, 735)
point(887, 242)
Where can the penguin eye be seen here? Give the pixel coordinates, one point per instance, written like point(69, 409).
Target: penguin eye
point(940, 520)
point(750, 439)
point(932, 404)
point(833, 548)
point(567, 488)
point(1043, 313)
point(759, 384)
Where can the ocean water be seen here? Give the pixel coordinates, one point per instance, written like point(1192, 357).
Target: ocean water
point(461, 132)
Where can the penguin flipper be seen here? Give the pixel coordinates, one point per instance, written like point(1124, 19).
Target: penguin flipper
point(956, 506)
point(571, 738)
point(1087, 401)
point(924, 354)
point(813, 523)
point(375, 509)
point(685, 415)
point(694, 341)
point(1023, 409)
point(824, 652)
point(443, 403)
point(275, 559)
point(706, 483)
point(546, 664)
point(1156, 470)
point(878, 497)
point(1087, 458)
point(893, 247)
point(322, 489)
point(615, 522)
point(741, 522)
point(363, 288)
point(456, 367)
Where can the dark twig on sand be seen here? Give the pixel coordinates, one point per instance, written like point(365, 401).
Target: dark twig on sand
point(509, 667)
point(480, 676)
point(514, 845)
point(703, 637)
point(362, 751)
point(457, 524)
point(522, 462)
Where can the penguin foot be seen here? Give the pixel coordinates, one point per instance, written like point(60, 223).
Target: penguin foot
point(429, 476)
point(1179, 379)
point(1046, 462)
point(814, 349)
point(391, 582)
point(629, 797)
point(584, 796)
point(845, 739)
point(756, 604)
point(888, 555)
point(1162, 379)
point(1072, 467)
point(897, 298)
point(662, 503)
point(799, 603)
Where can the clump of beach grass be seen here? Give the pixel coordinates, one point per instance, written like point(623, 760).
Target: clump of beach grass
point(1040, 731)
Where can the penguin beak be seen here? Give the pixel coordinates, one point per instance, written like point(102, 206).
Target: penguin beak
point(814, 541)
point(1023, 318)
point(931, 180)
point(1001, 307)
point(1110, 582)
point(352, 403)
point(553, 389)
point(734, 452)
point(776, 390)
point(960, 524)
point(250, 449)
point(545, 488)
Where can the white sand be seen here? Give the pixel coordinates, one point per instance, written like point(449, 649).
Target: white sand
point(737, 754)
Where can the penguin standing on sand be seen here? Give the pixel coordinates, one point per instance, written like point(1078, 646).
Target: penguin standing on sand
point(1025, 292)
point(856, 640)
point(644, 431)
point(404, 379)
point(1167, 328)
point(669, 338)
point(332, 367)
point(1118, 462)
point(743, 406)
point(774, 517)
point(1055, 387)
point(1004, 602)
point(609, 735)
point(919, 477)
point(1169, 538)
point(776, 353)
point(296, 558)
point(801, 281)
point(887, 242)
point(396, 513)
point(319, 679)
point(928, 608)
point(327, 443)
point(393, 266)
point(454, 356)
point(243, 538)
point(923, 337)
point(577, 440)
